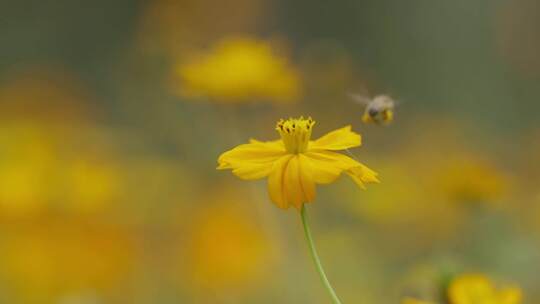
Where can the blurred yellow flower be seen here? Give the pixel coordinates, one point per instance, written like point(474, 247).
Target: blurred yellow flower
point(239, 70)
point(226, 249)
point(93, 184)
point(455, 171)
point(68, 256)
point(478, 289)
point(295, 164)
point(402, 205)
point(44, 164)
point(43, 171)
point(28, 158)
point(471, 179)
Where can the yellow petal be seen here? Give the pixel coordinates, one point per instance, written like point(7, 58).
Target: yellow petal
point(339, 139)
point(361, 175)
point(252, 161)
point(326, 166)
point(275, 182)
point(466, 288)
point(306, 179)
point(323, 170)
point(250, 171)
point(292, 187)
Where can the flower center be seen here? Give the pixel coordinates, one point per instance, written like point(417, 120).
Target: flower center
point(295, 133)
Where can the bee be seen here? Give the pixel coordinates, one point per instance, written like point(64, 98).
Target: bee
point(379, 109)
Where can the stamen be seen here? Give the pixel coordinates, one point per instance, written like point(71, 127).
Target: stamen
point(295, 133)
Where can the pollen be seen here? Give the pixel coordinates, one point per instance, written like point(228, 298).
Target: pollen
point(295, 133)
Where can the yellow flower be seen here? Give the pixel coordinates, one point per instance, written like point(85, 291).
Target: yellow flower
point(73, 255)
point(237, 70)
point(227, 250)
point(478, 289)
point(295, 164)
point(471, 180)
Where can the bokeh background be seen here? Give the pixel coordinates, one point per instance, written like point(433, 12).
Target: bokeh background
point(113, 113)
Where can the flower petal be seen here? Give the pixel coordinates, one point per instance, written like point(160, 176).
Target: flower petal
point(339, 139)
point(323, 170)
point(275, 182)
point(291, 183)
point(253, 171)
point(327, 166)
point(252, 161)
point(306, 178)
point(362, 175)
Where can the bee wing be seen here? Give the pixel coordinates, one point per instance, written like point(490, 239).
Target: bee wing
point(398, 103)
point(360, 99)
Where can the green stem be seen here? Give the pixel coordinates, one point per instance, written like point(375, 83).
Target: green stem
point(315, 257)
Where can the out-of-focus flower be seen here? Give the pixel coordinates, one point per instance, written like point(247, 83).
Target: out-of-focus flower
point(295, 164)
point(44, 164)
point(48, 259)
point(238, 70)
point(226, 248)
point(470, 179)
point(93, 183)
point(27, 159)
point(478, 289)
point(175, 26)
point(41, 171)
point(399, 201)
point(402, 203)
point(453, 169)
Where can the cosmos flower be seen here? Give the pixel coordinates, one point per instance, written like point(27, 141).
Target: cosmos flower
point(238, 70)
point(229, 251)
point(471, 179)
point(295, 164)
point(477, 288)
point(72, 256)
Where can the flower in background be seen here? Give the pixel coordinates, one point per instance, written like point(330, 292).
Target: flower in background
point(452, 166)
point(238, 70)
point(43, 171)
point(403, 205)
point(295, 164)
point(226, 249)
point(70, 256)
point(27, 163)
point(44, 164)
point(471, 179)
point(93, 183)
point(478, 289)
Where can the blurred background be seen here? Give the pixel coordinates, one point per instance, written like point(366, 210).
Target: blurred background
point(113, 113)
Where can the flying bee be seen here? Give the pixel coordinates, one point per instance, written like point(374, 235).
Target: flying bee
point(379, 109)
